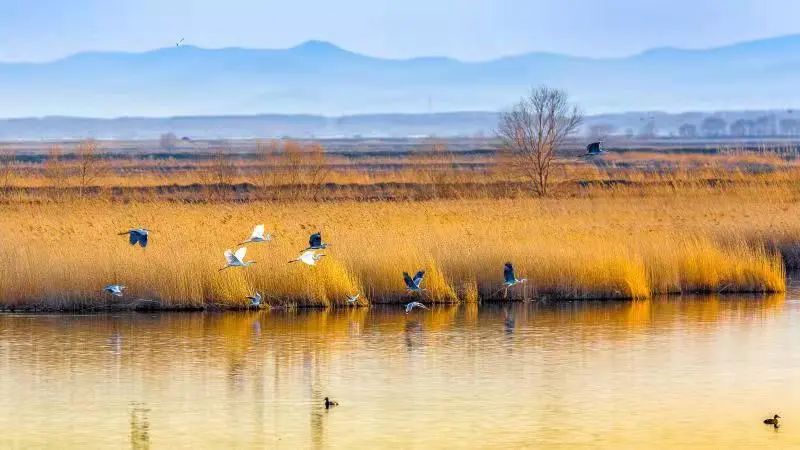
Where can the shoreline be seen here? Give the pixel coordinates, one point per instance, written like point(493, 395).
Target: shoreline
point(152, 306)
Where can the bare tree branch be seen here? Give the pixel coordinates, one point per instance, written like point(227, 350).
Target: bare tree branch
point(532, 133)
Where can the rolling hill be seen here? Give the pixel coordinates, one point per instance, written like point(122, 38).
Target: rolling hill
point(320, 78)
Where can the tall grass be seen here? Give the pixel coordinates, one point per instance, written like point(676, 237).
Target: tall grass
point(312, 174)
point(60, 255)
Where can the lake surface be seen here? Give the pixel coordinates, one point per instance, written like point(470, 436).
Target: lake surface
point(660, 373)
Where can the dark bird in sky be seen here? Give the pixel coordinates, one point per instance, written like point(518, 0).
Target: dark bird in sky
point(594, 149)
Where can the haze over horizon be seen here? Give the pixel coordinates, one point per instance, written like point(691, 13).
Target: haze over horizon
point(96, 58)
point(477, 30)
point(336, 46)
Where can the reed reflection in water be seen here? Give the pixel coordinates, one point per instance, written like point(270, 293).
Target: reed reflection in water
point(662, 372)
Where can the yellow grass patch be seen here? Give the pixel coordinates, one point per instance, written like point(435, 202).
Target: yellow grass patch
point(574, 248)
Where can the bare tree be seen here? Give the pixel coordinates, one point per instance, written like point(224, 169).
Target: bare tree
point(168, 141)
point(435, 164)
point(269, 152)
point(301, 168)
point(316, 169)
point(292, 164)
point(223, 170)
point(532, 133)
point(88, 164)
point(7, 162)
point(55, 170)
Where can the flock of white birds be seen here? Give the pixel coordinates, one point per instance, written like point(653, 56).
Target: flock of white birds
point(308, 256)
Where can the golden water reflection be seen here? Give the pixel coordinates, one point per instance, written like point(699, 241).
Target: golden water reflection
point(665, 372)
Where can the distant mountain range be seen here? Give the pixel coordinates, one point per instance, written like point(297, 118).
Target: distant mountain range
point(322, 79)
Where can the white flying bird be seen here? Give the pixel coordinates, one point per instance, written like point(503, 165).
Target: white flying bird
point(114, 289)
point(352, 299)
point(236, 259)
point(309, 257)
point(258, 236)
point(255, 300)
point(413, 305)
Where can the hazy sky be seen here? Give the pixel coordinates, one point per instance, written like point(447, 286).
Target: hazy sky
point(36, 30)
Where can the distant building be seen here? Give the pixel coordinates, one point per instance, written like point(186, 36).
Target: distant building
point(687, 130)
point(714, 127)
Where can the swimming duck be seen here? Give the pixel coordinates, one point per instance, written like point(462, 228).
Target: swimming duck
point(330, 403)
point(773, 421)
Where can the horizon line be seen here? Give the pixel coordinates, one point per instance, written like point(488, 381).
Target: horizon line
point(786, 109)
point(309, 42)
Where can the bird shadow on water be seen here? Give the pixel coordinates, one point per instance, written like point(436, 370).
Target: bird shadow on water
point(140, 426)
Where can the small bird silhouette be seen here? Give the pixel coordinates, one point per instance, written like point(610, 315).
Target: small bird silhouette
point(773, 421)
point(178, 44)
point(114, 289)
point(315, 242)
point(137, 236)
point(330, 403)
point(594, 149)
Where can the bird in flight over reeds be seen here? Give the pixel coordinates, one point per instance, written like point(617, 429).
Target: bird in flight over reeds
point(236, 259)
point(309, 257)
point(594, 149)
point(257, 236)
point(352, 299)
point(255, 300)
point(510, 279)
point(315, 242)
point(413, 305)
point(414, 284)
point(114, 289)
point(137, 236)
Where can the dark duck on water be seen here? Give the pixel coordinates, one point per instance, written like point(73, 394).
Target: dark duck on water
point(773, 421)
point(330, 403)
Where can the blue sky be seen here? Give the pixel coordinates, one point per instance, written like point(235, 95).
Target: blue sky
point(39, 30)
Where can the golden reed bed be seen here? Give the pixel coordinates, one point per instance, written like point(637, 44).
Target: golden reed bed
point(59, 255)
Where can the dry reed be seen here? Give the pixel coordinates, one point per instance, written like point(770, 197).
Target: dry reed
point(60, 255)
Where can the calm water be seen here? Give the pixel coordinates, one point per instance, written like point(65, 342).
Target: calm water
point(699, 372)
